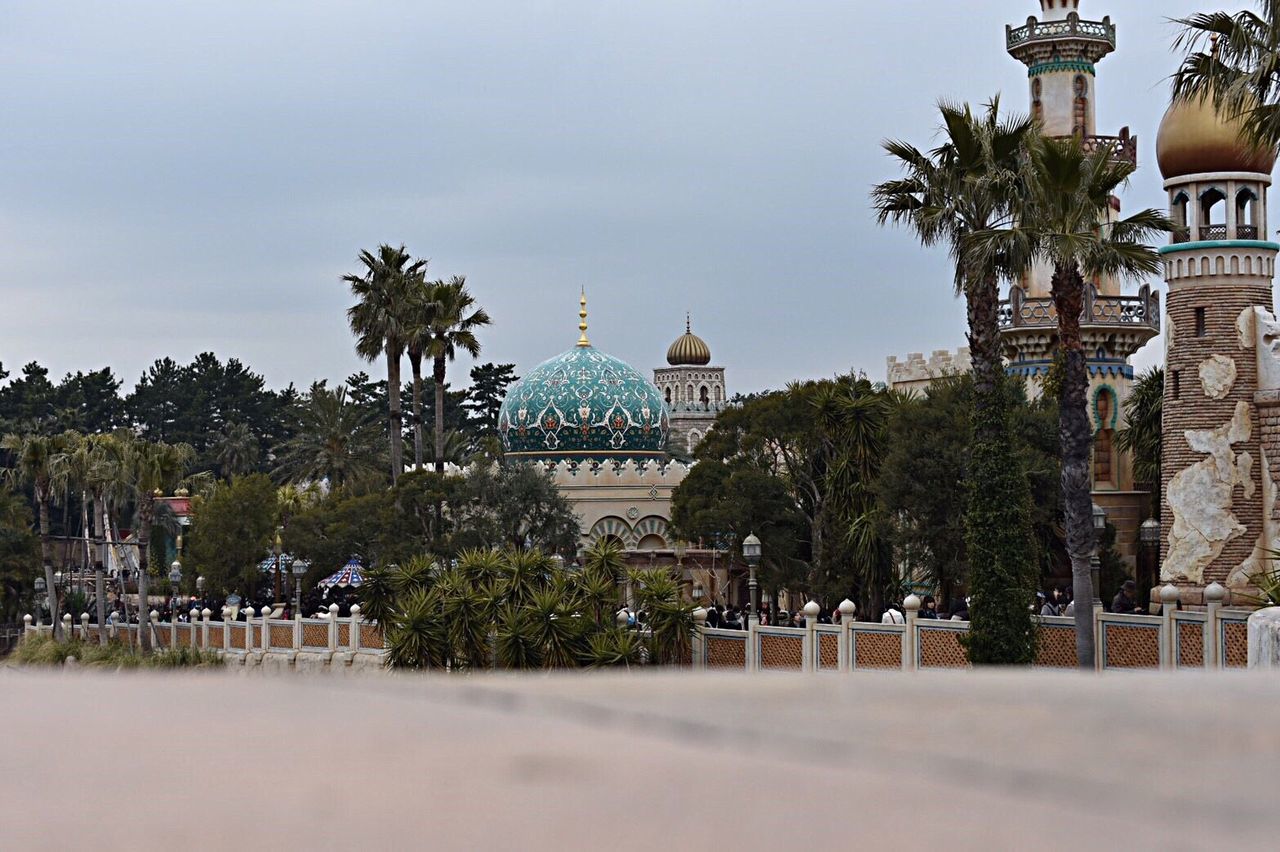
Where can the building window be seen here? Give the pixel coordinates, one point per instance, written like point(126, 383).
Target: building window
point(1199, 313)
point(1103, 440)
point(1081, 112)
point(1037, 108)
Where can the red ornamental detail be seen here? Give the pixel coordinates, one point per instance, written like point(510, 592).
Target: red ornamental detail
point(619, 422)
point(550, 423)
point(585, 429)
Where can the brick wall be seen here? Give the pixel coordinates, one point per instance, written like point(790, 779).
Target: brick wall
point(1222, 302)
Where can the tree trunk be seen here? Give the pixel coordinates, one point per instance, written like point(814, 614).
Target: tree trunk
point(397, 420)
point(415, 362)
point(144, 606)
point(437, 374)
point(99, 566)
point(46, 557)
point(1002, 568)
point(1076, 437)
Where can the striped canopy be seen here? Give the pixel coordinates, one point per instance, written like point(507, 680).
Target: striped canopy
point(268, 565)
point(351, 574)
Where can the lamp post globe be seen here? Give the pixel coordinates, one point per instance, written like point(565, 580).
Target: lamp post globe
point(200, 585)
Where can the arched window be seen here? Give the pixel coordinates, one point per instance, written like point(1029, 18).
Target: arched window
point(1037, 107)
point(704, 397)
point(689, 398)
point(1080, 111)
point(1246, 215)
point(1213, 215)
point(668, 394)
point(1178, 211)
point(719, 395)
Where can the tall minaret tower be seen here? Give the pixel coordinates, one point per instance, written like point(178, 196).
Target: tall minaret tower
point(1061, 52)
point(1221, 441)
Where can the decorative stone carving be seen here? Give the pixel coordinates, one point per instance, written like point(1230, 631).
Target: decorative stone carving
point(1200, 498)
point(1267, 337)
point(1217, 376)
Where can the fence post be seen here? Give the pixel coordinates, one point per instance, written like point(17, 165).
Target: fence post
point(173, 626)
point(26, 625)
point(204, 627)
point(354, 644)
point(848, 609)
point(698, 654)
point(809, 644)
point(266, 628)
point(248, 629)
point(66, 627)
point(226, 630)
point(1213, 597)
point(332, 615)
point(1168, 626)
point(84, 626)
point(912, 607)
point(753, 638)
point(297, 630)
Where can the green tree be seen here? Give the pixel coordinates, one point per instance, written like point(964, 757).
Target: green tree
point(1238, 72)
point(29, 403)
point(968, 185)
point(489, 383)
point(378, 321)
point(150, 469)
point(514, 506)
point(90, 403)
point(334, 441)
point(232, 531)
point(1141, 436)
point(450, 319)
point(40, 461)
point(1063, 218)
point(19, 554)
point(236, 450)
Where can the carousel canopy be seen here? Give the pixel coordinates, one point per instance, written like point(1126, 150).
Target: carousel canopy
point(287, 560)
point(351, 574)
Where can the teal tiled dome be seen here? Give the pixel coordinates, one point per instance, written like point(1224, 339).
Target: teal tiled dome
point(584, 404)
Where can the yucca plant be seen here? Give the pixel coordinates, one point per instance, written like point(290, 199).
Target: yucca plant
point(560, 631)
point(378, 594)
point(516, 644)
point(614, 646)
point(417, 635)
point(670, 619)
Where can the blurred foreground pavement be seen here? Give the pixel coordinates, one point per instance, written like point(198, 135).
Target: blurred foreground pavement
point(992, 760)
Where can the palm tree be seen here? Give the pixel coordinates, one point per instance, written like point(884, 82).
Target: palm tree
point(1063, 219)
point(41, 462)
point(378, 322)
point(450, 321)
point(150, 470)
point(237, 450)
point(1239, 71)
point(968, 185)
point(334, 442)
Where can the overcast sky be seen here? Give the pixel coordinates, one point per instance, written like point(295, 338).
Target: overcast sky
point(180, 177)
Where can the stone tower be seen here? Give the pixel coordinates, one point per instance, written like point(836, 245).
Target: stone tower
point(693, 390)
point(1221, 428)
point(1061, 52)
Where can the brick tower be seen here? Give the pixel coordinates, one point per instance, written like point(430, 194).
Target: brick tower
point(1222, 385)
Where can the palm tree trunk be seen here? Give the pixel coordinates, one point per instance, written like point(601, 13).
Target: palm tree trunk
point(437, 375)
point(144, 606)
point(1002, 569)
point(99, 566)
point(1076, 437)
point(46, 557)
point(397, 420)
point(415, 363)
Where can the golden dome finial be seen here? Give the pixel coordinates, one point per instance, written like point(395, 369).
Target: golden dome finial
point(688, 328)
point(582, 319)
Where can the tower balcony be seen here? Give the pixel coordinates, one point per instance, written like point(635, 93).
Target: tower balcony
point(1124, 148)
point(1139, 313)
point(1071, 28)
point(1205, 233)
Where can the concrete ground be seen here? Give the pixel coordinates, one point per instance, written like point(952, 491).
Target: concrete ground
point(990, 760)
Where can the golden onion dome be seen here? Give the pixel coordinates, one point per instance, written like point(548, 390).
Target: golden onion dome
point(1194, 139)
point(688, 350)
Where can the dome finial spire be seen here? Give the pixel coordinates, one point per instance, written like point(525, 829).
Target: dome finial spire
point(582, 319)
point(688, 329)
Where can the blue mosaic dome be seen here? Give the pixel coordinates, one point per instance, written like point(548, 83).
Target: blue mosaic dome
point(584, 404)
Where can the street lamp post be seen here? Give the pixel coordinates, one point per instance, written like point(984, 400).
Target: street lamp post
point(1149, 536)
point(1095, 561)
point(41, 588)
point(175, 580)
point(751, 552)
point(299, 569)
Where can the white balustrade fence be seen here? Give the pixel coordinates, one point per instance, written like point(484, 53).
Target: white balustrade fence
point(1210, 639)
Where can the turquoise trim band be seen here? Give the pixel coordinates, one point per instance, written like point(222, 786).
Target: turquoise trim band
point(1215, 244)
point(1052, 65)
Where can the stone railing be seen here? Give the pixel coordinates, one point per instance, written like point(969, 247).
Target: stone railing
point(1072, 27)
point(1142, 310)
point(1124, 148)
point(1214, 638)
point(299, 642)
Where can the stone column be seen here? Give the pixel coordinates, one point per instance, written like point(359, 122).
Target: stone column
point(848, 609)
point(810, 641)
point(912, 606)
